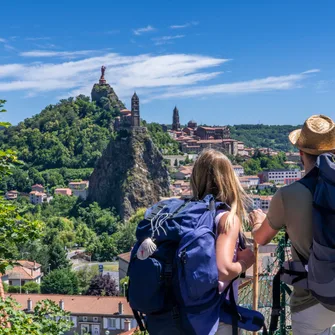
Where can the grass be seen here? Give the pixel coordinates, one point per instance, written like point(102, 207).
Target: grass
point(108, 267)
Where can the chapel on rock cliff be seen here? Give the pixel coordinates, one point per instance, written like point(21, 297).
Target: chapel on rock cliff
point(128, 119)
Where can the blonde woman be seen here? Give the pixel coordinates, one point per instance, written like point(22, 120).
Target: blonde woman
point(213, 174)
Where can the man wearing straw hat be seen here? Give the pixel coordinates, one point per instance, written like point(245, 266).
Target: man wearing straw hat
point(291, 208)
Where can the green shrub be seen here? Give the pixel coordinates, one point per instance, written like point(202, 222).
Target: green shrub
point(31, 287)
point(13, 289)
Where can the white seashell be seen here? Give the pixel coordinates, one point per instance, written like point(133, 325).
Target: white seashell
point(146, 249)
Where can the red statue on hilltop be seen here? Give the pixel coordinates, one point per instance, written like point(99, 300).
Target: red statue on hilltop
point(102, 80)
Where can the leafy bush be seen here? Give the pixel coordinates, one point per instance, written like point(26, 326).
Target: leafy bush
point(31, 287)
point(103, 285)
point(47, 318)
point(62, 281)
point(14, 289)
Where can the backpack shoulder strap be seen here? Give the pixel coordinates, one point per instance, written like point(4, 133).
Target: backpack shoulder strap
point(310, 180)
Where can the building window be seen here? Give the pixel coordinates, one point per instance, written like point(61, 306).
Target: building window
point(112, 323)
point(84, 318)
point(85, 329)
point(95, 319)
point(74, 320)
point(10, 282)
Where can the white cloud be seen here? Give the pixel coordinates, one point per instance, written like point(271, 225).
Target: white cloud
point(62, 54)
point(146, 29)
point(312, 71)
point(186, 25)
point(250, 86)
point(153, 76)
point(2, 40)
point(166, 39)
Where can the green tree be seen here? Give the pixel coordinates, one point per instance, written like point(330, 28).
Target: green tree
point(15, 229)
point(60, 281)
point(85, 276)
point(47, 318)
point(104, 249)
point(98, 219)
point(125, 237)
point(84, 235)
point(163, 140)
point(31, 287)
point(58, 257)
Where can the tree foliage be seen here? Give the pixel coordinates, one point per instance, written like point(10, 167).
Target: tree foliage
point(85, 276)
point(264, 136)
point(260, 162)
point(162, 140)
point(103, 285)
point(72, 133)
point(31, 287)
point(60, 281)
point(46, 318)
point(17, 230)
point(58, 257)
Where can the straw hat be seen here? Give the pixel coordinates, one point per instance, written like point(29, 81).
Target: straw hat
point(316, 136)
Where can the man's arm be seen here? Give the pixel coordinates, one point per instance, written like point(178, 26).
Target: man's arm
point(263, 233)
point(266, 226)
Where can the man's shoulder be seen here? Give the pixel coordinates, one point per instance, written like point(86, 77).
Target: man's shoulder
point(294, 189)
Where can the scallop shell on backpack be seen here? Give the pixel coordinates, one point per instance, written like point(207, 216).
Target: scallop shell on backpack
point(146, 249)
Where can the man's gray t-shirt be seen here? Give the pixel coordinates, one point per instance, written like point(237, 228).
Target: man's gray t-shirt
point(291, 207)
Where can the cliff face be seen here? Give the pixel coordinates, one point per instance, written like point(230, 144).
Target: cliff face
point(100, 91)
point(130, 174)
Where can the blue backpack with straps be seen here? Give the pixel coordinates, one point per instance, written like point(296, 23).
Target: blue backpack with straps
point(317, 273)
point(173, 275)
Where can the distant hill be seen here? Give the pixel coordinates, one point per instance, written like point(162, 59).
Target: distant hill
point(260, 136)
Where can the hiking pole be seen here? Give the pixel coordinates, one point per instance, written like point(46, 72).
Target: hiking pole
point(255, 281)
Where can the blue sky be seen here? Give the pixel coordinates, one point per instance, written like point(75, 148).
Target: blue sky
point(220, 62)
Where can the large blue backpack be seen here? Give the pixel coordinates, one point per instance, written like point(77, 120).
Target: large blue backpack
point(173, 289)
point(317, 273)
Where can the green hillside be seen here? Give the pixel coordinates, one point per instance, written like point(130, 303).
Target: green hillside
point(64, 141)
point(70, 134)
point(263, 136)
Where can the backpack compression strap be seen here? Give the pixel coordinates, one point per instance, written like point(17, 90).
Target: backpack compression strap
point(236, 316)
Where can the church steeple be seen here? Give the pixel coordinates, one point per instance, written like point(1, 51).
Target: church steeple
point(135, 111)
point(175, 119)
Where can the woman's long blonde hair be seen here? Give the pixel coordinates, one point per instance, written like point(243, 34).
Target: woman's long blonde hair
point(214, 174)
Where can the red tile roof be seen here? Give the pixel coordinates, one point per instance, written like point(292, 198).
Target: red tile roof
point(18, 272)
point(80, 304)
point(38, 185)
point(29, 265)
point(216, 141)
